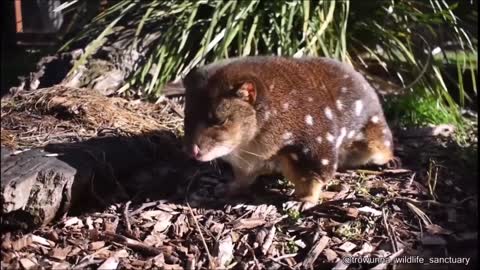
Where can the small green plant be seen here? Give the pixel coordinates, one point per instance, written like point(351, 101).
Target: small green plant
point(294, 215)
point(292, 247)
point(350, 230)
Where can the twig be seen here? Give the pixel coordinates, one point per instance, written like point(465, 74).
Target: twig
point(133, 244)
point(210, 260)
point(389, 230)
point(145, 205)
point(127, 219)
point(175, 108)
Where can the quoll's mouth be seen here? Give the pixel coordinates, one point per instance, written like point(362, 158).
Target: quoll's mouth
point(211, 154)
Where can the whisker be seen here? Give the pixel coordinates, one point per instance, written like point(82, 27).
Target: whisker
point(240, 158)
point(251, 153)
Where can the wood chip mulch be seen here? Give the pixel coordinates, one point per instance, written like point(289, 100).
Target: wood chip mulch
point(427, 208)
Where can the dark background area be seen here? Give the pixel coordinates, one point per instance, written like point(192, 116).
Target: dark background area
point(20, 52)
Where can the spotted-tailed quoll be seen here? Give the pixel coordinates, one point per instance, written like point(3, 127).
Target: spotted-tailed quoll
point(302, 117)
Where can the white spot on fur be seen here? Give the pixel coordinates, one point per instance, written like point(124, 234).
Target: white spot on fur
point(339, 105)
point(375, 119)
point(310, 99)
point(305, 150)
point(288, 142)
point(309, 120)
point(328, 113)
point(346, 76)
point(387, 143)
point(325, 162)
point(350, 134)
point(359, 137)
point(343, 132)
point(267, 115)
point(294, 156)
point(335, 166)
point(285, 106)
point(319, 139)
point(358, 107)
point(287, 135)
point(344, 89)
point(365, 87)
point(274, 111)
point(384, 131)
point(330, 137)
point(271, 87)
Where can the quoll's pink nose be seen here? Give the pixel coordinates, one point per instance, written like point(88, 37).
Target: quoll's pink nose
point(195, 150)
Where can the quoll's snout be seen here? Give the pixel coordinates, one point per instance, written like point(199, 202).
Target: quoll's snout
point(192, 150)
point(195, 151)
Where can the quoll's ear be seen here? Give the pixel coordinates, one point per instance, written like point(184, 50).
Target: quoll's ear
point(247, 92)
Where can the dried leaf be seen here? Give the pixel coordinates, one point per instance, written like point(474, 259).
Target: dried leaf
point(96, 245)
point(110, 263)
point(217, 228)
point(40, 240)
point(111, 226)
point(89, 223)
point(249, 223)
point(330, 255)
point(27, 263)
point(149, 215)
point(155, 239)
point(71, 221)
point(60, 253)
point(224, 251)
point(347, 246)
point(163, 223)
point(181, 226)
point(268, 240)
point(370, 210)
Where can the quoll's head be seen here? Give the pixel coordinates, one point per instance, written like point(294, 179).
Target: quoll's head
point(219, 113)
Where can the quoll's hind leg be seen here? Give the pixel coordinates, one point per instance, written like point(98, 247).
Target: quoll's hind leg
point(374, 146)
point(308, 180)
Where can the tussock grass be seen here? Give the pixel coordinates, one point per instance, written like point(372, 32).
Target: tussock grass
point(394, 38)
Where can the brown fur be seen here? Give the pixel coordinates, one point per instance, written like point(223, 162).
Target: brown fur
point(303, 117)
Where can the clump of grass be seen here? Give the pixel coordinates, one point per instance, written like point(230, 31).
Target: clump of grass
point(419, 109)
point(391, 36)
point(423, 108)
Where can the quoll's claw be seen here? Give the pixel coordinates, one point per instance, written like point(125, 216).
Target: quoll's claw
point(299, 206)
point(306, 205)
point(394, 163)
point(221, 190)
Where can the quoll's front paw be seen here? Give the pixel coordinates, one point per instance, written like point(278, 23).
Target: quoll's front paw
point(394, 163)
point(300, 206)
point(230, 190)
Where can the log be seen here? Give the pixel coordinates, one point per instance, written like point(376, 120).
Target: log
point(35, 188)
point(40, 185)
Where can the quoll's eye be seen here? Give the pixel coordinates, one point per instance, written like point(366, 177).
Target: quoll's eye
point(222, 122)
